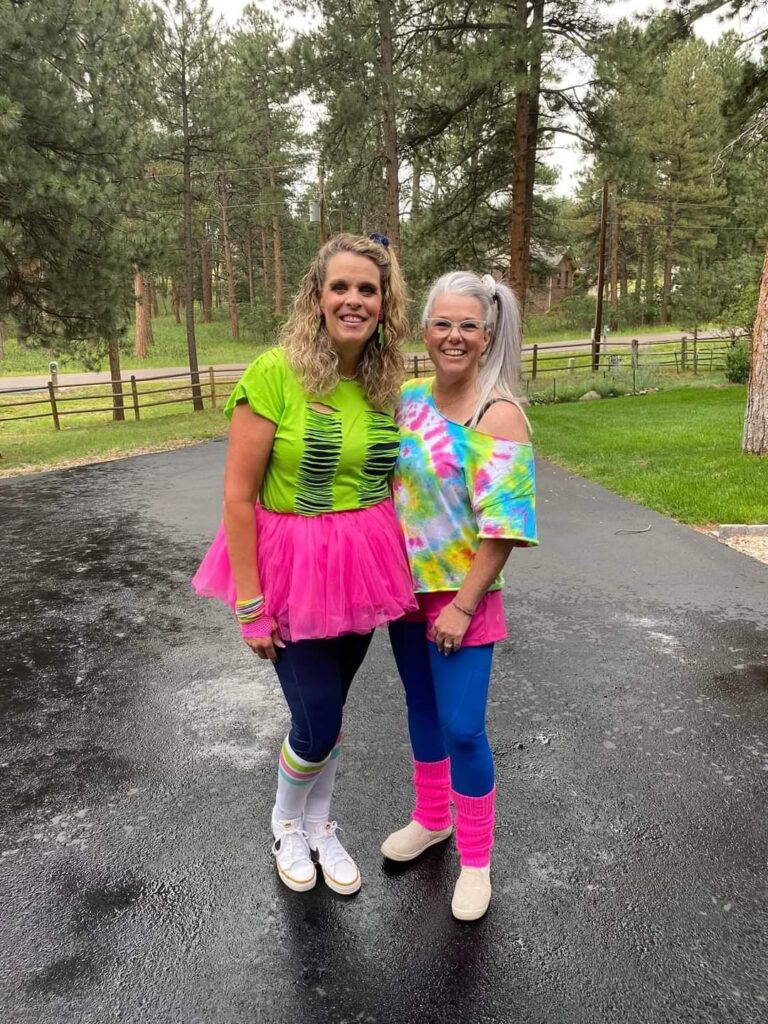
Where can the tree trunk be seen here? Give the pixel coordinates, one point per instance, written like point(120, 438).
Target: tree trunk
point(189, 250)
point(640, 258)
point(755, 438)
point(155, 304)
point(249, 260)
point(264, 257)
point(277, 241)
point(205, 270)
point(667, 287)
point(614, 264)
point(650, 270)
point(229, 269)
point(143, 338)
point(389, 121)
point(2, 339)
point(534, 89)
point(118, 402)
point(176, 301)
point(623, 273)
point(517, 251)
point(416, 188)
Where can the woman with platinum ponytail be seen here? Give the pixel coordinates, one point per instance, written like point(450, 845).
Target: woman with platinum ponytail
point(499, 372)
point(465, 496)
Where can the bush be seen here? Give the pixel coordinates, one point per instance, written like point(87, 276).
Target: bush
point(737, 363)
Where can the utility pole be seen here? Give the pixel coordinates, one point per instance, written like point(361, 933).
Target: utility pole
point(600, 281)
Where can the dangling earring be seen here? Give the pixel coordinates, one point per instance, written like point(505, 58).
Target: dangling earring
point(380, 331)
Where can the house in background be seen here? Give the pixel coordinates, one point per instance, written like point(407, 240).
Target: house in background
point(550, 278)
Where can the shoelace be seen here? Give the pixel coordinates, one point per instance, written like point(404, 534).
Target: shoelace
point(332, 851)
point(286, 842)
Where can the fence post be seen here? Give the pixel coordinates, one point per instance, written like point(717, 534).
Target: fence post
point(635, 362)
point(683, 353)
point(571, 365)
point(535, 365)
point(54, 409)
point(695, 354)
point(212, 377)
point(554, 389)
point(135, 393)
point(53, 366)
point(415, 366)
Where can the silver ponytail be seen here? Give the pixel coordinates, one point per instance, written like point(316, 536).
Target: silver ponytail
point(500, 369)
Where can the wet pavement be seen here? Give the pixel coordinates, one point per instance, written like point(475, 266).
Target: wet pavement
point(629, 720)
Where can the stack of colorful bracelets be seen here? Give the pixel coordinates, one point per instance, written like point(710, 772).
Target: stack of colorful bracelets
point(253, 621)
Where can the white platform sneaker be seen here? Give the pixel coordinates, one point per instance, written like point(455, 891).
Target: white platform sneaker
point(339, 870)
point(294, 861)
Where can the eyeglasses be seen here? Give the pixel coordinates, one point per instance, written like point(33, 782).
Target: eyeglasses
point(441, 328)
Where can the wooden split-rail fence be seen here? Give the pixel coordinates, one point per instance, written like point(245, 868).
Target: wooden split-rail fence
point(130, 396)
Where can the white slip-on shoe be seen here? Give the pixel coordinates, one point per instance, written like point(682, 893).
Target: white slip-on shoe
point(294, 861)
point(339, 870)
point(410, 842)
point(472, 894)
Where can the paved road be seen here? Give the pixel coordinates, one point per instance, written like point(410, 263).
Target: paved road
point(629, 720)
point(35, 381)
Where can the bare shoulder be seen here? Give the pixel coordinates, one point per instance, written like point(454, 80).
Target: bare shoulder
point(507, 420)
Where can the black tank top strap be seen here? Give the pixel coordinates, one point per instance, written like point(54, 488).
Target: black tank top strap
point(487, 406)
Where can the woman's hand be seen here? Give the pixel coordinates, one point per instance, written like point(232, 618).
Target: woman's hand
point(264, 646)
point(449, 629)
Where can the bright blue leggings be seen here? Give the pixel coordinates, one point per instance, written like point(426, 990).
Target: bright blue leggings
point(446, 699)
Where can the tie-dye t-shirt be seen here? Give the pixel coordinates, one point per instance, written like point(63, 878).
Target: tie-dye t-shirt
point(335, 457)
point(454, 486)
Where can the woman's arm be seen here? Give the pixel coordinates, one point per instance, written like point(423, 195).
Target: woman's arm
point(454, 620)
point(250, 446)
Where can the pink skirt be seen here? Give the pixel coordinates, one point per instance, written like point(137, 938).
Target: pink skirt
point(341, 572)
point(486, 626)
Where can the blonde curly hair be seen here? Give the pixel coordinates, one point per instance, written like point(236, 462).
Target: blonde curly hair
point(309, 349)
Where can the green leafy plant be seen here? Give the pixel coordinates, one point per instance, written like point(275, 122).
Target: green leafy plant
point(737, 363)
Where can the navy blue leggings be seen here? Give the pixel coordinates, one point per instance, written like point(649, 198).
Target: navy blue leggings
point(446, 699)
point(316, 676)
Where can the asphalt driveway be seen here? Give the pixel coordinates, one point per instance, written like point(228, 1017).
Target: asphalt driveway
point(629, 719)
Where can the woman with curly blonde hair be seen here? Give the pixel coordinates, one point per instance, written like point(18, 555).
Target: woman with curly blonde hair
point(310, 555)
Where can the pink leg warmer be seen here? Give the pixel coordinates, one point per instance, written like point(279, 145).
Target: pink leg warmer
point(474, 828)
point(432, 787)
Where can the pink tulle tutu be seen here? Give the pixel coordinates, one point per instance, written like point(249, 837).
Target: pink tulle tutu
point(342, 572)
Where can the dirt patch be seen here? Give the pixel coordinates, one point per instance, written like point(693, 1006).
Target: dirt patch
point(757, 547)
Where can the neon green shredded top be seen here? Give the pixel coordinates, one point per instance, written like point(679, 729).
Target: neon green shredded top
point(330, 461)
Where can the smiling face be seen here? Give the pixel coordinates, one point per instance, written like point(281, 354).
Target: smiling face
point(456, 353)
point(351, 300)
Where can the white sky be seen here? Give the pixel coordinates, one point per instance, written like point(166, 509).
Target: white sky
point(567, 156)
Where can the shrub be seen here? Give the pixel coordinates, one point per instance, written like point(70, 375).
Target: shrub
point(737, 363)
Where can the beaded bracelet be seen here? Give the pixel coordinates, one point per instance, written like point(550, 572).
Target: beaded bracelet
point(249, 610)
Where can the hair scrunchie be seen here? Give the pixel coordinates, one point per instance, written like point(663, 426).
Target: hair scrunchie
point(490, 284)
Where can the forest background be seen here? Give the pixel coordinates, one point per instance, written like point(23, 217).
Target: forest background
point(154, 159)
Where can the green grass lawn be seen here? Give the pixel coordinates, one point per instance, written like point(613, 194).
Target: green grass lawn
point(214, 347)
point(678, 451)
